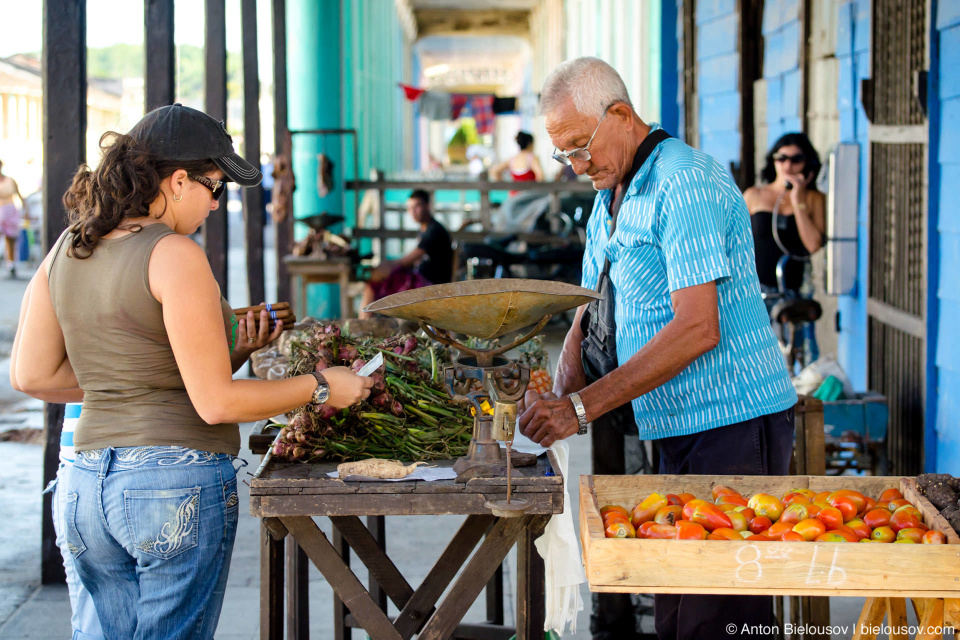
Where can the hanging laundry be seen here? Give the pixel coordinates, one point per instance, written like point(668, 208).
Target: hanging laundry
point(411, 93)
point(504, 105)
point(457, 102)
point(435, 105)
point(482, 108)
point(324, 175)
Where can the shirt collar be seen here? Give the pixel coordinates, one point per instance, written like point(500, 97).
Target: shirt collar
point(639, 173)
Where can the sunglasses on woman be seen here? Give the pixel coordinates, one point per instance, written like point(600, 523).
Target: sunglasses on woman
point(797, 159)
point(216, 186)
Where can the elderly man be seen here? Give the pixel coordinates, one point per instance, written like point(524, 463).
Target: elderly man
point(681, 337)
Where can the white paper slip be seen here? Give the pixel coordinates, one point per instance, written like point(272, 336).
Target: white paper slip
point(523, 444)
point(371, 366)
point(425, 474)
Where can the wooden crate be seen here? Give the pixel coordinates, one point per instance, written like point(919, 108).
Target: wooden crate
point(626, 565)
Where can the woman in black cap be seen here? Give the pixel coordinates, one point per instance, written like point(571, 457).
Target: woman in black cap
point(125, 315)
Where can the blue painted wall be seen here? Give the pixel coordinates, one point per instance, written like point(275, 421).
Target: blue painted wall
point(718, 79)
point(669, 103)
point(781, 67)
point(945, 240)
point(853, 54)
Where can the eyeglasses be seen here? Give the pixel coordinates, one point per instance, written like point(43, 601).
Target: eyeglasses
point(797, 159)
point(583, 153)
point(216, 186)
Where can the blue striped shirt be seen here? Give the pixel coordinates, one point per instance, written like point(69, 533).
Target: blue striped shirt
point(683, 222)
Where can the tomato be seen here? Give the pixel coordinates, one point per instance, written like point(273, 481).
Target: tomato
point(793, 536)
point(893, 505)
point(795, 496)
point(759, 524)
point(614, 507)
point(795, 513)
point(644, 528)
point(806, 493)
point(614, 516)
point(906, 517)
point(733, 501)
point(859, 527)
point(835, 536)
point(883, 534)
point(764, 504)
point(725, 507)
point(685, 498)
point(813, 510)
point(846, 506)
point(759, 537)
point(890, 494)
point(646, 510)
point(662, 532)
point(690, 506)
point(859, 500)
point(721, 490)
point(620, 530)
point(747, 512)
point(668, 515)
point(912, 533)
point(738, 520)
point(724, 533)
point(878, 517)
point(690, 531)
point(673, 499)
point(821, 499)
point(831, 517)
point(810, 529)
point(904, 541)
point(933, 537)
point(776, 530)
point(710, 517)
point(870, 504)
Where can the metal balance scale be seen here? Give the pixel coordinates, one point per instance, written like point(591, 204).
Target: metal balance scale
point(486, 309)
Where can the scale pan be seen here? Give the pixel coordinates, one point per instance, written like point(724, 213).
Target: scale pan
point(484, 308)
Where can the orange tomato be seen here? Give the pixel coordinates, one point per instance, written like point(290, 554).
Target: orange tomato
point(721, 490)
point(777, 529)
point(662, 532)
point(620, 529)
point(726, 507)
point(724, 533)
point(759, 537)
point(890, 494)
point(668, 515)
point(893, 505)
point(647, 509)
point(738, 520)
point(759, 524)
point(878, 517)
point(821, 499)
point(870, 504)
point(912, 533)
point(906, 517)
point(810, 529)
point(859, 500)
point(836, 536)
point(737, 501)
point(883, 534)
point(793, 536)
point(859, 527)
point(614, 517)
point(933, 537)
point(690, 505)
point(604, 510)
point(747, 512)
point(685, 498)
point(794, 513)
point(846, 506)
point(690, 531)
point(795, 496)
point(831, 517)
point(764, 504)
point(710, 517)
point(644, 528)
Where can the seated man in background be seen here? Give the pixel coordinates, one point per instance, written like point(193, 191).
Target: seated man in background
point(430, 263)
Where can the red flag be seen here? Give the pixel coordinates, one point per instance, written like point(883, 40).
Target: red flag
point(411, 93)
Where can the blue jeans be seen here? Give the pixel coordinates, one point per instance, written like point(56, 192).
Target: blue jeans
point(151, 530)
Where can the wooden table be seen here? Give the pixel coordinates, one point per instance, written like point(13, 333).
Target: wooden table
point(308, 270)
point(288, 496)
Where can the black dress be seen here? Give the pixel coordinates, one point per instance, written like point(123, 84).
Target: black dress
point(768, 253)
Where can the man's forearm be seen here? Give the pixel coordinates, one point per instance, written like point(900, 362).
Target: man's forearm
point(570, 376)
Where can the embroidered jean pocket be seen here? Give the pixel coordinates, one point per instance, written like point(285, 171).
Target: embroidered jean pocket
point(74, 541)
point(163, 523)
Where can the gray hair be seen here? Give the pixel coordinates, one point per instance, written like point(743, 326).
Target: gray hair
point(591, 83)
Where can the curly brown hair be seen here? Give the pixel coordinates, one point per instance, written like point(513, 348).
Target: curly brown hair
point(123, 185)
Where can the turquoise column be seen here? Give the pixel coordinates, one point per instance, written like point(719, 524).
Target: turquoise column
point(313, 95)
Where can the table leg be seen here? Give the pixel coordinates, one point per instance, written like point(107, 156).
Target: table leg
point(929, 617)
point(531, 604)
point(495, 597)
point(340, 577)
point(271, 586)
point(871, 617)
point(340, 630)
point(298, 598)
point(897, 618)
point(475, 576)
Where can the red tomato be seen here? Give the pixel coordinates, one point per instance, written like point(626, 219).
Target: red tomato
point(724, 533)
point(690, 505)
point(793, 536)
point(673, 499)
point(890, 494)
point(795, 513)
point(760, 524)
point(646, 510)
point(690, 531)
point(831, 517)
point(644, 528)
point(620, 530)
point(859, 500)
point(878, 517)
point(738, 501)
point(747, 512)
point(810, 529)
point(662, 532)
point(859, 527)
point(933, 537)
point(668, 515)
point(871, 504)
point(911, 533)
point(710, 517)
point(905, 518)
point(776, 530)
point(614, 507)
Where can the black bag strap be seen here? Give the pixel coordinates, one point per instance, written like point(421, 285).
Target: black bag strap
point(646, 148)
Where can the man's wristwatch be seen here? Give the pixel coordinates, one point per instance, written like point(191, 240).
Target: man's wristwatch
point(581, 413)
point(322, 393)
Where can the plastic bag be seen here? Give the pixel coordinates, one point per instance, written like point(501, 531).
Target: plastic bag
point(813, 375)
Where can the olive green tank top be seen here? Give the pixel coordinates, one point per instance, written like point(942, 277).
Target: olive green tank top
point(133, 394)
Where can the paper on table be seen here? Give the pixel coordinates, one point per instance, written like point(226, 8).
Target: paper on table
point(426, 474)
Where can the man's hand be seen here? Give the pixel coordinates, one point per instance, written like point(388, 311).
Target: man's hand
point(549, 419)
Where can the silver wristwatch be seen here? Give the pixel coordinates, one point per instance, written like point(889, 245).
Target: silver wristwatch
point(581, 413)
point(322, 393)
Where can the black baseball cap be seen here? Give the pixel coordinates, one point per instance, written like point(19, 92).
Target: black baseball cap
point(176, 132)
